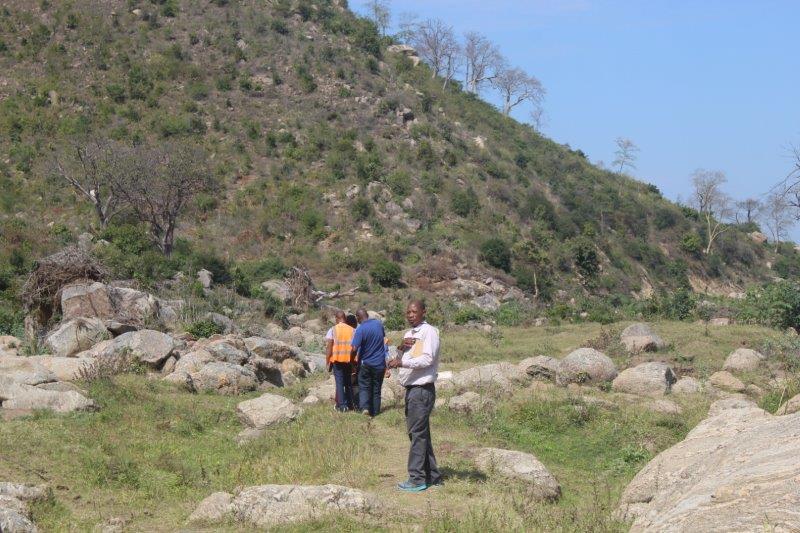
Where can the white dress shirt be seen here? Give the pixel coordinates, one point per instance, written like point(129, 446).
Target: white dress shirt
point(420, 364)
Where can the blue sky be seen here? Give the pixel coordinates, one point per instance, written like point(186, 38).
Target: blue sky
point(695, 84)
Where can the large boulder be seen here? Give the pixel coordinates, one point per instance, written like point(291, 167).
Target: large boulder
point(790, 407)
point(469, 402)
point(132, 305)
point(735, 471)
point(269, 348)
point(14, 513)
point(586, 365)
point(687, 385)
point(498, 375)
point(743, 360)
point(726, 381)
point(226, 351)
point(640, 337)
point(224, 378)
point(86, 299)
point(193, 361)
point(147, 346)
point(268, 506)
point(266, 411)
point(520, 466)
point(76, 335)
point(25, 370)
point(9, 346)
point(646, 379)
point(540, 367)
point(21, 397)
point(280, 289)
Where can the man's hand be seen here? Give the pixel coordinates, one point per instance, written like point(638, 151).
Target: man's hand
point(406, 345)
point(395, 363)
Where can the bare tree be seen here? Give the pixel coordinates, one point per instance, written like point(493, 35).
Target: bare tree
point(711, 201)
point(408, 27)
point(482, 61)
point(750, 208)
point(158, 182)
point(437, 45)
point(626, 154)
point(380, 14)
point(90, 169)
point(790, 186)
point(538, 118)
point(777, 216)
point(516, 86)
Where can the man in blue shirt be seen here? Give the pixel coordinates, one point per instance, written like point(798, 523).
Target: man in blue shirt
point(370, 350)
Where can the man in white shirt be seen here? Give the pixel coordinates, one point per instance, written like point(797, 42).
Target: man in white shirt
point(418, 368)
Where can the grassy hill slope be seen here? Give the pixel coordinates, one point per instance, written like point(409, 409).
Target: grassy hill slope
point(330, 153)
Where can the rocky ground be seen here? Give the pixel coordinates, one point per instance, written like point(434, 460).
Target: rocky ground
point(253, 391)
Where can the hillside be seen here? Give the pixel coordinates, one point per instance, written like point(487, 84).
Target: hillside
point(329, 152)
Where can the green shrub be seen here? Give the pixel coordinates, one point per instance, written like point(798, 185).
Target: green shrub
point(361, 209)
point(274, 307)
point(400, 183)
point(204, 328)
point(776, 305)
point(464, 202)
point(386, 273)
point(510, 314)
point(585, 257)
point(496, 252)
point(116, 92)
point(365, 36)
point(466, 314)
point(197, 90)
point(691, 244)
point(248, 276)
point(306, 80)
point(11, 322)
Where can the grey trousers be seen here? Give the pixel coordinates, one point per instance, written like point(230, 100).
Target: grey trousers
point(421, 461)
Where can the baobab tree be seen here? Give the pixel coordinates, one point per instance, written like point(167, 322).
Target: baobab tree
point(712, 202)
point(482, 61)
point(515, 87)
point(625, 154)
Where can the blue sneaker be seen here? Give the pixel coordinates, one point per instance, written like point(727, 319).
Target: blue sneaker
point(408, 486)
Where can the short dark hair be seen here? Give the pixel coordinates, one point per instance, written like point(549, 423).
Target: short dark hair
point(351, 321)
point(419, 303)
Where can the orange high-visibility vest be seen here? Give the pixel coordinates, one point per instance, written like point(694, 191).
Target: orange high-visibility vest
point(342, 340)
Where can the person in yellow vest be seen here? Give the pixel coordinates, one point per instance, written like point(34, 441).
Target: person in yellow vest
point(339, 360)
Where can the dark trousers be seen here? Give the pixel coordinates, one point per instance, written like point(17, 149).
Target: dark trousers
point(344, 385)
point(370, 381)
point(422, 466)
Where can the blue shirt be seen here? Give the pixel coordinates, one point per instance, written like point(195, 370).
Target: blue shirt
point(368, 342)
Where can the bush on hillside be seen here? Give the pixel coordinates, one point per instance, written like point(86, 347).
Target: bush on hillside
point(776, 305)
point(204, 328)
point(386, 273)
point(466, 314)
point(249, 275)
point(496, 252)
point(585, 257)
point(464, 202)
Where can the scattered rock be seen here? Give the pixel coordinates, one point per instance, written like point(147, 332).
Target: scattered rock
point(406, 50)
point(76, 335)
point(586, 365)
point(193, 361)
point(735, 471)
point(9, 346)
point(664, 407)
point(790, 407)
point(522, 466)
point(720, 321)
point(25, 371)
point(267, 506)
point(14, 515)
point(205, 278)
point(266, 411)
point(86, 300)
point(687, 385)
point(497, 375)
point(726, 381)
point(223, 350)
point(541, 321)
point(17, 396)
point(224, 378)
point(487, 302)
point(148, 346)
point(758, 237)
point(222, 321)
point(214, 508)
point(55, 368)
point(280, 289)
point(646, 379)
point(271, 349)
point(640, 337)
point(540, 367)
point(469, 402)
point(743, 359)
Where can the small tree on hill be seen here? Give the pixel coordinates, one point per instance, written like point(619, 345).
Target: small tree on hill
point(515, 87)
point(158, 183)
point(482, 59)
point(90, 169)
point(437, 45)
point(625, 154)
point(777, 216)
point(497, 254)
point(712, 202)
point(749, 209)
point(380, 14)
